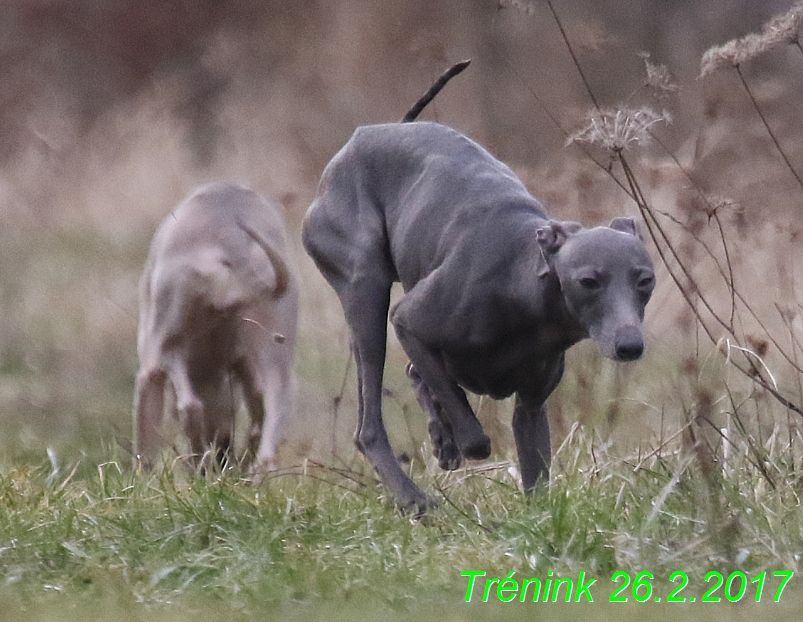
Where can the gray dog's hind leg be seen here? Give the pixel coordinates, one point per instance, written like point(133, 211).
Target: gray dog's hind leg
point(355, 261)
point(366, 306)
point(444, 447)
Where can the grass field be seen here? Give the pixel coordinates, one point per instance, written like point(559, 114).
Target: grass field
point(320, 542)
point(683, 465)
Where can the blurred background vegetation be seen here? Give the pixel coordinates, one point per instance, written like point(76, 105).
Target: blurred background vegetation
point(111, 111)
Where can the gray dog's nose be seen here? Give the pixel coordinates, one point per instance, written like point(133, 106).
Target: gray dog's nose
point(628, 343)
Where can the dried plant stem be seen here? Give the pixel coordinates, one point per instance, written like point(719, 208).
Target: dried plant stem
point(725, 276)
point(336, 400)
point(729, 278)
point(654, 225)
point(794, 345)
point(573, 55)
point(767, 126)
point(791, 359)
point(736, 296)
point(349, 474)
point(754, 458)
point(307, 475)
point(460, 510)
point(657, 232)
point(555, 120)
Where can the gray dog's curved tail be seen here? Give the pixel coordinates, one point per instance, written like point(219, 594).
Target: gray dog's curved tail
point(427, 97)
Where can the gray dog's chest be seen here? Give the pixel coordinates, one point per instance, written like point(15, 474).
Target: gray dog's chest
point(498, 374)
point(507, 354)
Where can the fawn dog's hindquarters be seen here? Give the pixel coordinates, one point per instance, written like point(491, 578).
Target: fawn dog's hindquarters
point(494, 291)
point(218, 305)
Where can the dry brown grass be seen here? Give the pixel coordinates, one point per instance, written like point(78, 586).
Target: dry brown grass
point(83, 197)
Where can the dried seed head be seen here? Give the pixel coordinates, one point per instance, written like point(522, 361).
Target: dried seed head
point(618, 129)
point(781, 30)
point(715, 203)
point(591, 36)
point(658, 77)
point(734, 53)
point(785, 29)
point(520, 5)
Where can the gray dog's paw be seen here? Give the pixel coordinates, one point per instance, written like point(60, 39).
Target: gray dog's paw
point(443, 447)
point(418, 507)
point(479, 449)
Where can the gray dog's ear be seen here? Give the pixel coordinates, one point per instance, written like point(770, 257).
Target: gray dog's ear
point(550, 238)
point(626, 225)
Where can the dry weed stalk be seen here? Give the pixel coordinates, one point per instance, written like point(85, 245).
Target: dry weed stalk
point(615, 136)
point(692, 292)
point(569, 47)
point(715, 203)
point(779, 31)
point(615, 131)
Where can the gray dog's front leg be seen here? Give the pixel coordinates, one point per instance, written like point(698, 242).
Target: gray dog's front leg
point(467, 431)
point(531, 431)
point(148, 411)
point(531, 426)
point(443, 444)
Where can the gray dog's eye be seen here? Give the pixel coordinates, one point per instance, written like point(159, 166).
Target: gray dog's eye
point(588, 282)
point(646, 282)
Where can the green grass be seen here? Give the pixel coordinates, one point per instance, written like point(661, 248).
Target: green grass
point(82, 537)
point(316, 542)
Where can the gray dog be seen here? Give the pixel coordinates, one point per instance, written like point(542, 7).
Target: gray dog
point(495, 291)
point(218, 308)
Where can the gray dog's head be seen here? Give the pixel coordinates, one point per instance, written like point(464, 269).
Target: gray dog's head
point(607, 279)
